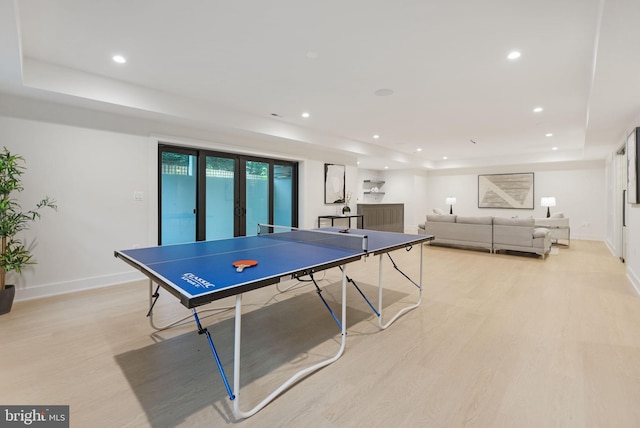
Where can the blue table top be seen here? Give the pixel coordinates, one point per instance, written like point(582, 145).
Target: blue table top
point(200, 272)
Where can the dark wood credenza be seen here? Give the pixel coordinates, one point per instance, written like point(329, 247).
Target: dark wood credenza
point(387, 217)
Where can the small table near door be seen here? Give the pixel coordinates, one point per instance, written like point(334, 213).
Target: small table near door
point(359, 219)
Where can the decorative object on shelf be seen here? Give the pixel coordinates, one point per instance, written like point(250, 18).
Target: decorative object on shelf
point(506, 191)
point(548, 201)
point(451, 201)
point(373, 187)
point(14, 255)
point(334, 183)
point(347, 200)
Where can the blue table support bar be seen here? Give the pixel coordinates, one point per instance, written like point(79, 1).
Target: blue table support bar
point(215, 354)
point(319, 291)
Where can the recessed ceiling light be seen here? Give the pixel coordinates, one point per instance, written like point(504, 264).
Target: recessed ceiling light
point(384, 92)
point(119, 59)
point(305, 115)
point(549, 134)
point(418, 149)
point(376, 136)
point(445, 157)
point(554, 148)
point(513, 55)
point(386, 167)
point(537, 109)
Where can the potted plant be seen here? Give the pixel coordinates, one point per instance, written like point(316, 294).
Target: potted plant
point(13, 253)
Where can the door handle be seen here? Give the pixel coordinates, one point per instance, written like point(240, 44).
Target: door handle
point(240, 211)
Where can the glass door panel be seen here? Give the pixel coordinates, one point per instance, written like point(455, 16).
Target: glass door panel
point(282, 195)
point(256, 195)
point(220, 197)
point(206, 195)
point(178, 198)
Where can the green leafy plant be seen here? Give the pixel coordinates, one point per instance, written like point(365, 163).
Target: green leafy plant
point(13, 253)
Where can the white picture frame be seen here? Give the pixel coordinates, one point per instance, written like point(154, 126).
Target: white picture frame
point(512, 191)
point(334, 183)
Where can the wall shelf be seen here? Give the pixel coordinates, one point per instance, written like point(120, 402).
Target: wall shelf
point(370, 184)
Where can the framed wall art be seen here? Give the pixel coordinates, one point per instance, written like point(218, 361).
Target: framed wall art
point(514, 191)
point(334, 183)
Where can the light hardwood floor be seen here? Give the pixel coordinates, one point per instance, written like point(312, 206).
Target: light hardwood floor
point(499, 341)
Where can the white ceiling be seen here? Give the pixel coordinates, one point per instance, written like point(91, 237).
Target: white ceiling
point(231, 65)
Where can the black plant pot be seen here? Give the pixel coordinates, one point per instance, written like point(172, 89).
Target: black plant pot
point(346, 210)
point(6, 299)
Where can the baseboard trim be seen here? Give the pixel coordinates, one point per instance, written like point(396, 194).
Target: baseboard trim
point(48, 290)
point(634, 279)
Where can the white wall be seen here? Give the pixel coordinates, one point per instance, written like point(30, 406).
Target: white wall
point(93, 172)
point(312, 191)
point(403, 186)
point(374, 175)
point(579, 189)
point(616, 182)
point(92, 175)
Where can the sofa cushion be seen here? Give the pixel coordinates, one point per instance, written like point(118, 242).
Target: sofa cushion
point(557, 215)
point(438, 211)
point(540, 232)
point(442, 218)
point(504, 221)
point(474, 220)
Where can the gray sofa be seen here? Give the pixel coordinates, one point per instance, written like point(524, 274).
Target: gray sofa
point(492, 233)
point(520, 234)
point(459, 230)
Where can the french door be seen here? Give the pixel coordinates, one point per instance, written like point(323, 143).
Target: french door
point(205, 195)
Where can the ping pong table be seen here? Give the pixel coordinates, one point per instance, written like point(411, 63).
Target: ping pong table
point(199, 273)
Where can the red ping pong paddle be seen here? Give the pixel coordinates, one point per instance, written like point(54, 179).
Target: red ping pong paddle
point(241, 264)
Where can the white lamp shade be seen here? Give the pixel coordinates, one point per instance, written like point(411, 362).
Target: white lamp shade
point(450, 200)
point(548, 201)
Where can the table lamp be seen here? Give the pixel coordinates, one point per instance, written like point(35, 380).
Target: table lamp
point(548, 201)
point(451, 201)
